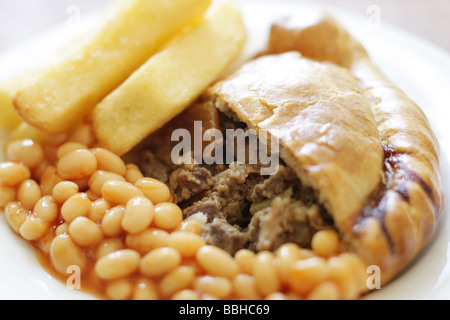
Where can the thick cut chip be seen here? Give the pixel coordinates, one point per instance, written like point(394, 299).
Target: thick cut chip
point(68, 90)
point(171, 80)
point(9, 118)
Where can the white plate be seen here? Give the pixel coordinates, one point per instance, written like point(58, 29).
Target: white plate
point(416, 66)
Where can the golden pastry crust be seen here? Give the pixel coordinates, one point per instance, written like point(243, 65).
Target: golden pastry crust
point(323, 121)
point(350, 134)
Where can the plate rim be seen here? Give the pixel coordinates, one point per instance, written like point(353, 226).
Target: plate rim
point(424, 45)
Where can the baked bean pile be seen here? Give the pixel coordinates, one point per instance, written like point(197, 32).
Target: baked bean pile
point(81, 205)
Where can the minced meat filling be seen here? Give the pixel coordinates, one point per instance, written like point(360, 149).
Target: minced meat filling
point(241, 208)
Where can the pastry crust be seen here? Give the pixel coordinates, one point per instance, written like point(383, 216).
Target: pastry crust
point(365, 148)
point(402, 217)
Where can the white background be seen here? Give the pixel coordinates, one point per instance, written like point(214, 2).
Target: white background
point(21, 20)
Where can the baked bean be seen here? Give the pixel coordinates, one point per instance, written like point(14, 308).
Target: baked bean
point(76, 206)
point(217, 262)
point(216, 286)
point(307, 253)
point(7, 195)
point(306, 274)
point(265, 273)
point(168, 216)
point(278, 296)
point(245, 287)
point(341, 272)
point(138, 215)
point(245, 259)
point(70, 147)
point(120, 192)
point(49, 180)
point(26, 152)
point(133, 173)
point(85, 232)
point(194, 265)
point(291, 251)
point(324, 291)
point(287, 255)
point(191, 226)
point(63, 228)
point(99, 178)
point(29, 194)
point(76, 165)
point(159, 262)
point(13, 174)
point(46, 209)
point(208, 297)
point(33, 228)
point(108, 246)
point(108, 161)
point(15, 215)
point(65, 253)
point(64, 190)
point(186, 295)
point(155, 190)
point(325, 243)
point(112, 221)
point(119, 290)
point(177, 280)
point(147, 240)
point(83, 134)
point(145, 290)
point(186, 243)
point(118, 264)
point(359, 269)
point(98, 209)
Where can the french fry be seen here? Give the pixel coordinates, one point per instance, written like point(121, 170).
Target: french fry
point(12, 125)
point(9, 118)
point(67, 91)
point(171, 80)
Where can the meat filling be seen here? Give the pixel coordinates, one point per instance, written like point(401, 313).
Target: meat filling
point(240, 207)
